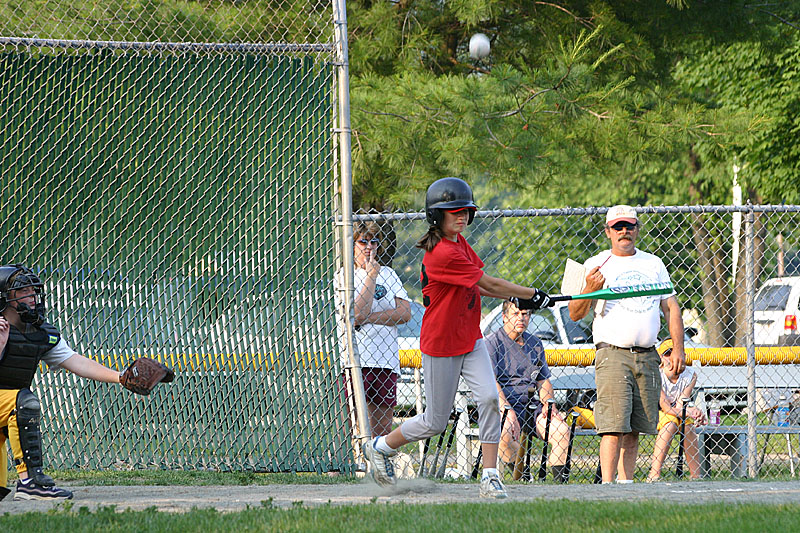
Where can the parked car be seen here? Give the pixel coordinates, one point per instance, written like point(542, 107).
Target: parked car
point(552, 325)
point(408, 333)
point(408, 344)
point(776, 310)
point(558, 331)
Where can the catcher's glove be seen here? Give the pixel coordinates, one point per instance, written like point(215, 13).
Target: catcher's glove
point(539, 300)
point(144, 374)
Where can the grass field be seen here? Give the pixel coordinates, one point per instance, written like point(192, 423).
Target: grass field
point(543, 515)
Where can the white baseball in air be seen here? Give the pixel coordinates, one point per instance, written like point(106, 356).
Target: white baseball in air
point(479, 46)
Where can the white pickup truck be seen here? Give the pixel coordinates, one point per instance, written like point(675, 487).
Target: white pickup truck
point(776, 310)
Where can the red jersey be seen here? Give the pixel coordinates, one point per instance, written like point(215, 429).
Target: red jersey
point(449, 277)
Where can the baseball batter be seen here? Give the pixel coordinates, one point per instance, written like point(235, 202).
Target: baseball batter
point(451, 342)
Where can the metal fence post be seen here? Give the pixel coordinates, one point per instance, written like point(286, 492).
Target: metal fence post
point(752, 415)
point(343, 79)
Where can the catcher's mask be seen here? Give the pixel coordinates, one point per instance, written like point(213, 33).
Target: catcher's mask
point(14, 278)
point(445, 194)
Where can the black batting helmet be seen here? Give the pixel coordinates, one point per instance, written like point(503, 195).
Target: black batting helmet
point(445, 194)
point(15, 277)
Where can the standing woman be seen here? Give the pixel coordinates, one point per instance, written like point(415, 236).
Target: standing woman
point(451, 340)
point(381, 303)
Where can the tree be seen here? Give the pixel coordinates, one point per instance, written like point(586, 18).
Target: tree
point(570, 91)
point(743, 79)
point(557, 97)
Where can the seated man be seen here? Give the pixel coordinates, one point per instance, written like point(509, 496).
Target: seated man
point(519, 363)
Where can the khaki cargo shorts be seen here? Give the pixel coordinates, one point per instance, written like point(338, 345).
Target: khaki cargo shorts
point(628, 390)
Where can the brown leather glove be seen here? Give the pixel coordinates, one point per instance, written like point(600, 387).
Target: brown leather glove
point(144, 374)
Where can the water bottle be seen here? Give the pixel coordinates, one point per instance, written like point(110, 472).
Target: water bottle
point(782, 412)
point(713, 413)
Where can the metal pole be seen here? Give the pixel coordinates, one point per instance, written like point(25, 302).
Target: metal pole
point(752, 442)
point(346, 222)
point(737, 220)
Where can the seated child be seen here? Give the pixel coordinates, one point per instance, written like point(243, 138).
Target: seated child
point(673, 389)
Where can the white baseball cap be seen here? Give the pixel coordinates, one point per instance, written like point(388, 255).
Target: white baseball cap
point(621, 213)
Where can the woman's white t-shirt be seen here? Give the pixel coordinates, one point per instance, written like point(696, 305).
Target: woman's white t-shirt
point(377, 344)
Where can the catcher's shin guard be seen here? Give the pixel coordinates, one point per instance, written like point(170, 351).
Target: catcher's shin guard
point(29, 412)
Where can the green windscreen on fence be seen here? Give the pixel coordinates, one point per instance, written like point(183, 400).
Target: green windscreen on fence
point(179, 206)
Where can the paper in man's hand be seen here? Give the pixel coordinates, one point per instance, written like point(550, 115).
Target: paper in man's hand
point(574, 278)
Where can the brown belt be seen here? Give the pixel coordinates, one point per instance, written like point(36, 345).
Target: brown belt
point(634, 349)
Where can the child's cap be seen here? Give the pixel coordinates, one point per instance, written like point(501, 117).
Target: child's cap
point(665, 348)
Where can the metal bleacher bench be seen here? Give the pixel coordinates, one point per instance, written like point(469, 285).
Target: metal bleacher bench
point(732, 441)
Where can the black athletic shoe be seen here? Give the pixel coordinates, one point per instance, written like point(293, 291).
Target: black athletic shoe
point(32, 491)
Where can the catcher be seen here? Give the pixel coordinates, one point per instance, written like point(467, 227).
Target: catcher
point(25, 340)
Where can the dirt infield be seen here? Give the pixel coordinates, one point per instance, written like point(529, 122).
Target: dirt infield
point(235, 498)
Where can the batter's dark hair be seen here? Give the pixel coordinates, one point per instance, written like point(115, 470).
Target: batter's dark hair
point(430, 239)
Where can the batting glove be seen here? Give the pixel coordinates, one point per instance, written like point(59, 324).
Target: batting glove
point(539, 300)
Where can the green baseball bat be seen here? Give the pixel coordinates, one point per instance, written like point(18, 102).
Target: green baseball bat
point(618, 293)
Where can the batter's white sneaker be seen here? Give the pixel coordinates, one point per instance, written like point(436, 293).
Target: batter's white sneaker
point(492, 487)
point(380, 465)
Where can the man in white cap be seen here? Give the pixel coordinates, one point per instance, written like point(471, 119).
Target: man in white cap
point(625, 333)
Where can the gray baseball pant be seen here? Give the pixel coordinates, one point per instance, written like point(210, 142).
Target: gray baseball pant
point(441, 385)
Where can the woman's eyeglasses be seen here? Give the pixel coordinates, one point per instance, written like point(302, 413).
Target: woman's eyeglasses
point(367, 242)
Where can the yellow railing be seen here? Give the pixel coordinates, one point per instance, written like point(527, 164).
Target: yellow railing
point(218, 361)
point(410, 359)
point(765, 355)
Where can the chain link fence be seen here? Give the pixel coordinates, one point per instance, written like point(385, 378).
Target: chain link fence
point(737, 276)
point(168, 168)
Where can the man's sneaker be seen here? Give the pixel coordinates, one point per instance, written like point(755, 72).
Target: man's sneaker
point(33, 491)
point(381, 467)
point(492, 487)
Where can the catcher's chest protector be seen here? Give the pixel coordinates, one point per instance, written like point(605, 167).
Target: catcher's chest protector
point(23, 353)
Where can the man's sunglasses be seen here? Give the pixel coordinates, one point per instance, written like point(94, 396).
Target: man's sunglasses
point(365, 242)
point(619, 226)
